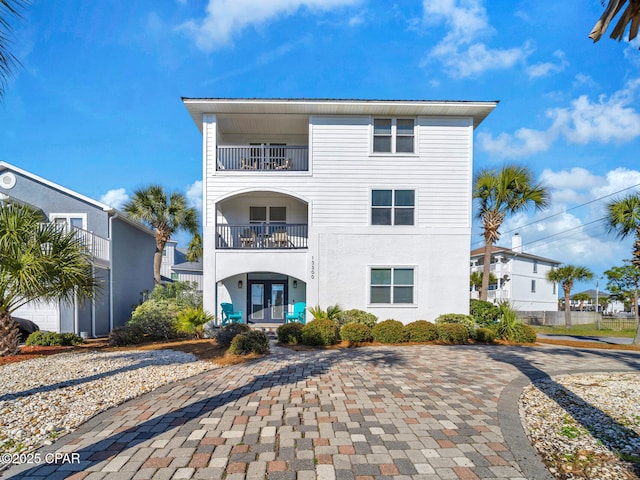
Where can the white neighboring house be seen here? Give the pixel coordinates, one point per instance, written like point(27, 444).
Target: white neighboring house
point(521, 277)
point(175, 266)
point(361, 203)
point(613, 305)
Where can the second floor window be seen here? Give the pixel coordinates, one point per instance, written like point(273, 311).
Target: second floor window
point(535, 266)
point(392, 207)
point(533, 286)
point(393, 135)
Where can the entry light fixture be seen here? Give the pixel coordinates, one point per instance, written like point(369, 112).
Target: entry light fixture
point(239, 283)
point(295, 284)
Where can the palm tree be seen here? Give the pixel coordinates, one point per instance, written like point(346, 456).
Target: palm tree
point(194, 249)
point(38, 262)
point(623, 218)
point(165, 214)
point(631, 15)
point(581, 297)
point(475, 280)
point(567, 275)
point(501, 193)
point(8, 9)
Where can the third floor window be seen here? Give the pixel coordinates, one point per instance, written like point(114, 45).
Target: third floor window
point(393, 135)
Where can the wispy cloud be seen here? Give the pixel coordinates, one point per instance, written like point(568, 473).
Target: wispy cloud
point(194, 195)
point(115, 198)
point(606, 120)
point(545, 69)
point(461, 51)
point(225, 19)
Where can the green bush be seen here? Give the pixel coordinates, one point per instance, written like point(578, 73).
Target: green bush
point(184, 294)
point(50, 339)
point(484, 335)
point(129, 334)
point(484, 313)
point(320, 332)
point(253, 341)
point(506, 327)
point(421, 331)
point(355, 333)
point(331, 313)
point(290, 333)
point(356, 316)
point(460, 318)
point(190, 321)
point(452, 332)
point(225, 335)
point(156, 318)
point(390, 331)
point(524, 334)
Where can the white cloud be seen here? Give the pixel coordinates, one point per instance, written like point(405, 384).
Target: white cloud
point(194, 195)
point(605, 120)
point(225, 19)
point(460, 51)
point(548, 68)
point(115, 198)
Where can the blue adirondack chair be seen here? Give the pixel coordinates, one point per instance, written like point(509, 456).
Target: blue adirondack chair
point(299, 313)
point(229, 315)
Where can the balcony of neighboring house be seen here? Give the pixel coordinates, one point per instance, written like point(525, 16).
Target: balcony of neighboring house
point(265, 158)
point(97, 246)
point(262, 221)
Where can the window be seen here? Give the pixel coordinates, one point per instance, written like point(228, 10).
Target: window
point(75, 220)
point(392, 285)
point(535, 266)
point(533, 286)
point(259, 214)
point(393, 135)
point(392, 207)
point(175, 276)
point(554, 288)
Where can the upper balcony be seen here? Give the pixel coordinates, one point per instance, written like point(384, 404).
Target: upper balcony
point(263, 158)
point(97, 246)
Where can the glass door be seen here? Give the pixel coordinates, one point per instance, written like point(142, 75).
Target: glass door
point(267, 301)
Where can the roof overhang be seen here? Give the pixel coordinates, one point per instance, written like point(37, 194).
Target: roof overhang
point(198, 107)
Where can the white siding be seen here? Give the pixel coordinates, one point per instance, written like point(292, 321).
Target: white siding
point(44, 314)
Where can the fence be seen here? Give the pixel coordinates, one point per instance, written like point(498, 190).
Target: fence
point(557, 319)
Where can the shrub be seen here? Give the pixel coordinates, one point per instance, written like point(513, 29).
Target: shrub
point(484, 313)
point(460, 318)
point(226, 334)
point(524, 334)
point(421, 331)
point(320, 332)
point(129, 334)
point(290, 333)
point(452, 332)
point(184, 294)
point(355, 333)
point(356, 316)
point(331, 313)
point(390, 331)
point(506, 327)
point(50, 339)
point(484, 335)
point(156, 318)
point(253, 341)
point(190, 321)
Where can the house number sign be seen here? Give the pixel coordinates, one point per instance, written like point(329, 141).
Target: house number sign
point(313, 267)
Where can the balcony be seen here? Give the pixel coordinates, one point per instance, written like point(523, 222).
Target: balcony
point(97, 246)
point(263, 158)
point(262, 236)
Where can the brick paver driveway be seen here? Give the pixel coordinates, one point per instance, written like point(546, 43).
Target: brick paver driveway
point(415, 412)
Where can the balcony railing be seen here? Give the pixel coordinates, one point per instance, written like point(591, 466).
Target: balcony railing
point(262, 236)
point(97, 246)
point(263, 158)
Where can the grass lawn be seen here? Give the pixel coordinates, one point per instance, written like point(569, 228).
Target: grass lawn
point(587, 330)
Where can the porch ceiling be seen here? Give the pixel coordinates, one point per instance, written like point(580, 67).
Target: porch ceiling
point(262, 124)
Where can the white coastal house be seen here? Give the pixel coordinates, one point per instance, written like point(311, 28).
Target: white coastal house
point(175, 267)
point(361, 203)
point(521, 278)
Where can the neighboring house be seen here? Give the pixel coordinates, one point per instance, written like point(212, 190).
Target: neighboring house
point(613, 305)
point(175, 266)
point(121, 254)
point(361, 203)
point(521, 277)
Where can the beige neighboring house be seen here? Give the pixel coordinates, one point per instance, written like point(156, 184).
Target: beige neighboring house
point(521, 277)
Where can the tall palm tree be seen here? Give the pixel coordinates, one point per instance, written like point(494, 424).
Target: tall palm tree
point(38, 261)
point(567, 275)
point(623, 218)
point(166, 214)
point(500, 193)
point(631, 15)
point(9, 9)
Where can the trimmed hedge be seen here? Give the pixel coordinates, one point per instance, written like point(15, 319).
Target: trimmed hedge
point(320, 332)
point(484, 313)
point(460, 318)
point(356, 333)
point(524, 334)
point(290, 333)
point(357, 316)
point(484, 335)
point(156, 319)
point(50, 339)
point(225, 335)
point(421, 331)
point(452, 332)
point(253, 341)
point(129, 334)
point(390, 331)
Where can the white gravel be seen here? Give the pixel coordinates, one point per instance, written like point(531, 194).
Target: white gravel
point(44, 398)
point(586, 426)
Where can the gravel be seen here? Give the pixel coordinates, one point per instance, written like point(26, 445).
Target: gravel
point(44, 398)
point(585, 426)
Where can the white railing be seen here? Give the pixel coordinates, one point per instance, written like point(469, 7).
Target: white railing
point(263, 158)
point(262, 236)
point(97, 246)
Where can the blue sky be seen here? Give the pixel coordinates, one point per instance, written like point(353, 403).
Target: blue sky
point(97, 105)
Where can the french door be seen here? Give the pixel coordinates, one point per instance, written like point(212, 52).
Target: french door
point(267, 301)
